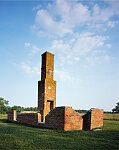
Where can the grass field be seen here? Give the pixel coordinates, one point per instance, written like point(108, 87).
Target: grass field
point(17, 136)
point(108, 116)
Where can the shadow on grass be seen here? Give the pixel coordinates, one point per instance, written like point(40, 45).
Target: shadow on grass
point(23, 136)
point(23, 124)
point(4, 121)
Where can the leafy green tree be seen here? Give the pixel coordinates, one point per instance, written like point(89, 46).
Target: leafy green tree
point(18, 108)
point(4, 108)
point(3, 105)
point(31, 109)
point(116, 109)
point(81, 111)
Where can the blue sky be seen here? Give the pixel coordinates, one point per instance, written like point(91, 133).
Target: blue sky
point(83, 35)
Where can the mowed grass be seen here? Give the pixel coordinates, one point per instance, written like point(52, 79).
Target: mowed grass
point(17, 136)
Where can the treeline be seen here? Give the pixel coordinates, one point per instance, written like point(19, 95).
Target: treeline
point(18, 108)
point(4, 107)
point(81, 111)
point(85, 111)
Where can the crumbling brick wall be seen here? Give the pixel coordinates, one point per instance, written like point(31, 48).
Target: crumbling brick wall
point(29, 118)
point(12, 115)
point(63, 118)
point(27, 112)
point(73, 120)
point(93, 119)
point(55, 118)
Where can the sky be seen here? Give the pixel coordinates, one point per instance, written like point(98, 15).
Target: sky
point(84, 37)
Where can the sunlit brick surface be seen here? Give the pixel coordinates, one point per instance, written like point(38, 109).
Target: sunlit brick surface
point(93, 119)
point(47, 86)
point(29, 118)
point(12, 115)
point(64, 118)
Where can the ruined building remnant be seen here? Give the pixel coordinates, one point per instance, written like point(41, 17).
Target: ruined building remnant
point(93, 119)
point(50, 116)
point(64, 118)
point(12, 115)
point(47, 86)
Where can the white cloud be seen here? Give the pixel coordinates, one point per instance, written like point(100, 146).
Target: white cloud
point(63, 16)
point(30, 70)
point(62, 75)
point(101, 14)
point(114, 6)
point(70, 14)
point(37, 7)
point(35, 50)
point(86, 46)
point(107, 57)
point(88, 42)
point(96, 52)
point(59, 45)
point(76, 58)
point(44, 19)
point(27, 44)
point(92, 60)
point(109, 45)
point(112, 23)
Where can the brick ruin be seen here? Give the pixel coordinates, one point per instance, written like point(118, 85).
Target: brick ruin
point(93, 119)
point(47, 86)
point(64, 118)
point(50, 116)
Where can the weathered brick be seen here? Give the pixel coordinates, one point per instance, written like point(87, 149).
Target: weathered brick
point(47, 86)
point(64, 118)
point(12, 115)
point(29, 118)
point(93, 119)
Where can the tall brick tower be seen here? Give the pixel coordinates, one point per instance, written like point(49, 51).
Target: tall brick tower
point(47, 86)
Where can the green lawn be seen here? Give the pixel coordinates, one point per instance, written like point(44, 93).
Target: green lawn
point(15, 136)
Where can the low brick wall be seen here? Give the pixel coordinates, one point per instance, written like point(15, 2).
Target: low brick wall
point(63, 118)
point(29, 118)
point(55, 118)
point(12, 115)
point(73, 120)
point(93, 119)
point(23, 112)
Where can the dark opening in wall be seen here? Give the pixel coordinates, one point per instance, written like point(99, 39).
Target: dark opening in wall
point(51, 104)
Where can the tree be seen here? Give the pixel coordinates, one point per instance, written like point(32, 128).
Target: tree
point(18, 108)
point(3, 105)
point(31, 109)
point(116, 109)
